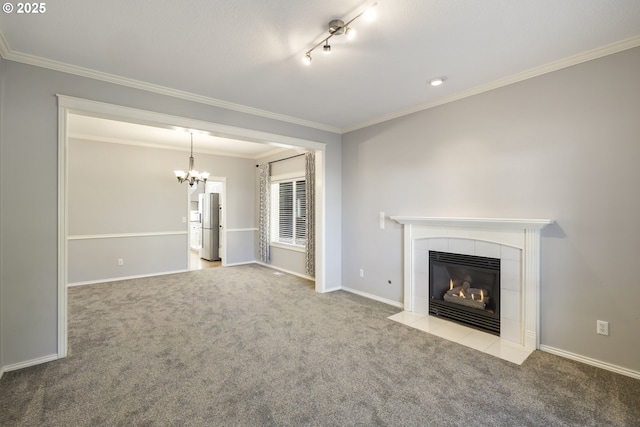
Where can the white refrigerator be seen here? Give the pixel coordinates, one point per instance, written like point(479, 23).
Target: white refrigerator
point(210, 209)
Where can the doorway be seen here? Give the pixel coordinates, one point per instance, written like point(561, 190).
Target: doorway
point(68, 105)
point(196, 193)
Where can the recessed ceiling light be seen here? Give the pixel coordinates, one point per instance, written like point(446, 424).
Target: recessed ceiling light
point(437, 81)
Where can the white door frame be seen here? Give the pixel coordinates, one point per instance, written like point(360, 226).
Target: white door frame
point(68, 104)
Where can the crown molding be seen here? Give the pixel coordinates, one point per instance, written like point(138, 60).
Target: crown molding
point(525, 75)
point(600, 52)
point(37, 61)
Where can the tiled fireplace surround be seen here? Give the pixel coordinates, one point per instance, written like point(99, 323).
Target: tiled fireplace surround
point(516, 242)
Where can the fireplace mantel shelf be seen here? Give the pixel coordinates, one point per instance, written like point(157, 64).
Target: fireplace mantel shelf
point(483, 223)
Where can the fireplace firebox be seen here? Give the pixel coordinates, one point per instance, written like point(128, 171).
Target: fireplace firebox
point(465, 289)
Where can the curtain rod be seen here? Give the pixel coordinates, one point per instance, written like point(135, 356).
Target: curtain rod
point(286, 158)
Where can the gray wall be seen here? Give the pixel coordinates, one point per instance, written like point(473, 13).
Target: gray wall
point(117, 188)
point(126, 189)
point(28, 209)
point(564, 146)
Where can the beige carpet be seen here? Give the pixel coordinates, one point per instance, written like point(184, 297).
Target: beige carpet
point(242, 346)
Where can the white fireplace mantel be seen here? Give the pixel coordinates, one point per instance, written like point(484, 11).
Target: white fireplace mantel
point(482, 223)
point(519, 236)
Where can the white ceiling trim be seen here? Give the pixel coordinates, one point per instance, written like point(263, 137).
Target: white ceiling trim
point(24, 58)
point(7, 53)
point(198, 150)
point(534, 72)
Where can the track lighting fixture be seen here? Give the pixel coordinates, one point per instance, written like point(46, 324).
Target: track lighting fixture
point(338, 27)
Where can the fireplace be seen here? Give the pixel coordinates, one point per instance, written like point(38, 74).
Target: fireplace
point(516, 242)
point(465, 289)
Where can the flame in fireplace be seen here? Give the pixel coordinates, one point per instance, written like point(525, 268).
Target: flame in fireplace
point(481, 295)
point(450, 284)
point(461, 293)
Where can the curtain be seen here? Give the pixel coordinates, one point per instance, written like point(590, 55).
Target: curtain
point(310, 190)
point(264, 221)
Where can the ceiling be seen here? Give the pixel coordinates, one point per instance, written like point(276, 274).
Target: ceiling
point(246, 54)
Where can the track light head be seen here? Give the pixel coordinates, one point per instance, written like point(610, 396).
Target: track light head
point(307, 58)
point(350, 33)
point(326, 48)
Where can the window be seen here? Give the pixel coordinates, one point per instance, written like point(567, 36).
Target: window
point(289, 212)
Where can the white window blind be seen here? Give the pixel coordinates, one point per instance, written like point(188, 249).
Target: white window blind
point(300, 214)
point(289, 216)
point(285, 216)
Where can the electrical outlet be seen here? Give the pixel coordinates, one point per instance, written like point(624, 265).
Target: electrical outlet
point(120, 261)
point(361, 272)
point(602, 327)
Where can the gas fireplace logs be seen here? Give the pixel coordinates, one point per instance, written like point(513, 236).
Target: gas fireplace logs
point(468, 296)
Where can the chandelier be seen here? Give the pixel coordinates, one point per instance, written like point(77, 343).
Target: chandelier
point(192, 176)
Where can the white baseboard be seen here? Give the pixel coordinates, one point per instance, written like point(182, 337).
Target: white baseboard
point(374, 297)
point(233, 264)
point(27, 363)
point(118, 279)
point(593, 362)
point(304, 276)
